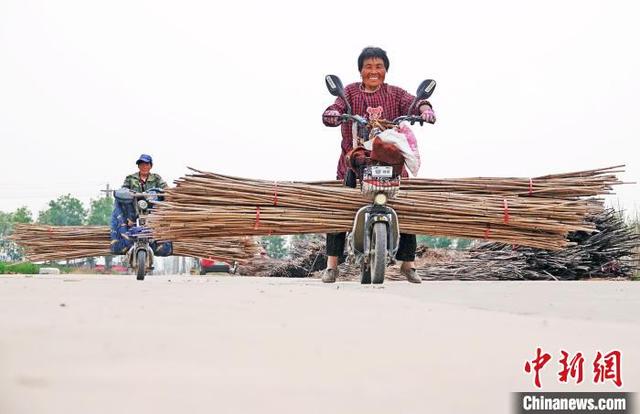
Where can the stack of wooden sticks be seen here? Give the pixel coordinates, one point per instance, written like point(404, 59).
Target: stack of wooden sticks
point(46, 243)
point(537, 212)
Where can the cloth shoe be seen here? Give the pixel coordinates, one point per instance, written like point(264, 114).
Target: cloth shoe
point(330, 275)
point(411, 275)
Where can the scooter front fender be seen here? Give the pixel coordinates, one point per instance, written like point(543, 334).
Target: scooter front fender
point(363, 223)
point(132, 254)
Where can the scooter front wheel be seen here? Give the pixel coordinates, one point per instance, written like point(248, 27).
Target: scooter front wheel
point(378, 260)
point(141, 260)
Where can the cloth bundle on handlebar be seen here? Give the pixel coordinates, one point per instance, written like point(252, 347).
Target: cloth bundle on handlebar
point(396, 147)
point(386, 153)
point(380, 152)
point(541, 210)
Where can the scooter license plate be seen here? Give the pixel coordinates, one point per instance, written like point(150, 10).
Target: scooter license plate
point(381, 171)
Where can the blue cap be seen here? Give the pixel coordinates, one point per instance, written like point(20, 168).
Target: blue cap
point(145, 158)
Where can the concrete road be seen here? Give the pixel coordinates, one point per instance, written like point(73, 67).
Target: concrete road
point(224, 344)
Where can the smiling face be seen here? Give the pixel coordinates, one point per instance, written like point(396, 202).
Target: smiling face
point(373, 72)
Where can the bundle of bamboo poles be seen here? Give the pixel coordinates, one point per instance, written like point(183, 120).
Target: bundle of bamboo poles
point(46, 243)
point(227, 249)
point(563, 186)
point(501, 209)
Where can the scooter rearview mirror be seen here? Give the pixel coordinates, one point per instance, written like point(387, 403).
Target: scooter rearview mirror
point(424, 92)
point(425, 89)
point(334, 85)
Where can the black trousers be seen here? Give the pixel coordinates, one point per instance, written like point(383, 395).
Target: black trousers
point(406, 246)
point(335, 241)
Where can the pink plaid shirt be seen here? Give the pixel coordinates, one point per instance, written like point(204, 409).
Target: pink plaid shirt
point(394, 102)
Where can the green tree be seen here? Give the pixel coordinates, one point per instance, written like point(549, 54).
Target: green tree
point(463, 244)
point(5, 223)
point(8, 249)
point(5, 231)
point(100, 215)
point(65, 211)
point(444, 242)
point(275, 246)
point(435, 242)
point(100, 211)
point(306, 237)
point(22, 215)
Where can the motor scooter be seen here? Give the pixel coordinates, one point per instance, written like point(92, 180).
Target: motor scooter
point(139, 257)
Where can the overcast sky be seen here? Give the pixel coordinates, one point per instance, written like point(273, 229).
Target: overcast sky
point(525, 88)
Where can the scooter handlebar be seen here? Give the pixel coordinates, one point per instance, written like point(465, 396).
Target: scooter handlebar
point(412, 119)
point(356, 118)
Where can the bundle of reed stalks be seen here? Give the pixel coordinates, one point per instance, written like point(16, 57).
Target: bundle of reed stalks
point(207, 204)
point(47, 243)
point(610, 251)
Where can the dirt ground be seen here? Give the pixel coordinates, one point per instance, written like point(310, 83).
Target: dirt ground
point(226, 344)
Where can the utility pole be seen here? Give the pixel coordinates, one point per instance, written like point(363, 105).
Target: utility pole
point(107, 191)
point(108, 260)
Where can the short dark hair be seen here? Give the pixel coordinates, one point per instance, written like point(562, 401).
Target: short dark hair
point(372, 52)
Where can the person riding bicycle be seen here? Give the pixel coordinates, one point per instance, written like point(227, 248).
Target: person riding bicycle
point(371, 95)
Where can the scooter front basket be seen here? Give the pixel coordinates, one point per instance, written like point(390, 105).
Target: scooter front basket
point(370, 185)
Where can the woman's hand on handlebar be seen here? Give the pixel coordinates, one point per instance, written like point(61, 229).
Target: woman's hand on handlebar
point(355, 118)
point(332, 117)
point(335, 118)
point(428, 115)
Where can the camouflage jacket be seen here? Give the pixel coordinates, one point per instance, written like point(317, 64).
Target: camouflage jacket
point(133, 182)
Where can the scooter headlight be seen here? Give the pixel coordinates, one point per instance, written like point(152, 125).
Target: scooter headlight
point(143, 204)
point(380, 199)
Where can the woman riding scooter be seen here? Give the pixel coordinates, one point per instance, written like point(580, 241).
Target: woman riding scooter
point(371, 95)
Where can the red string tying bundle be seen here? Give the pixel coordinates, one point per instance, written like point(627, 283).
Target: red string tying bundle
point(255, 226)
point(275, 193)
point(530, 186)
point(506, 212)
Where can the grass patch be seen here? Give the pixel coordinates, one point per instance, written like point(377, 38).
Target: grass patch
point(26, 268)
